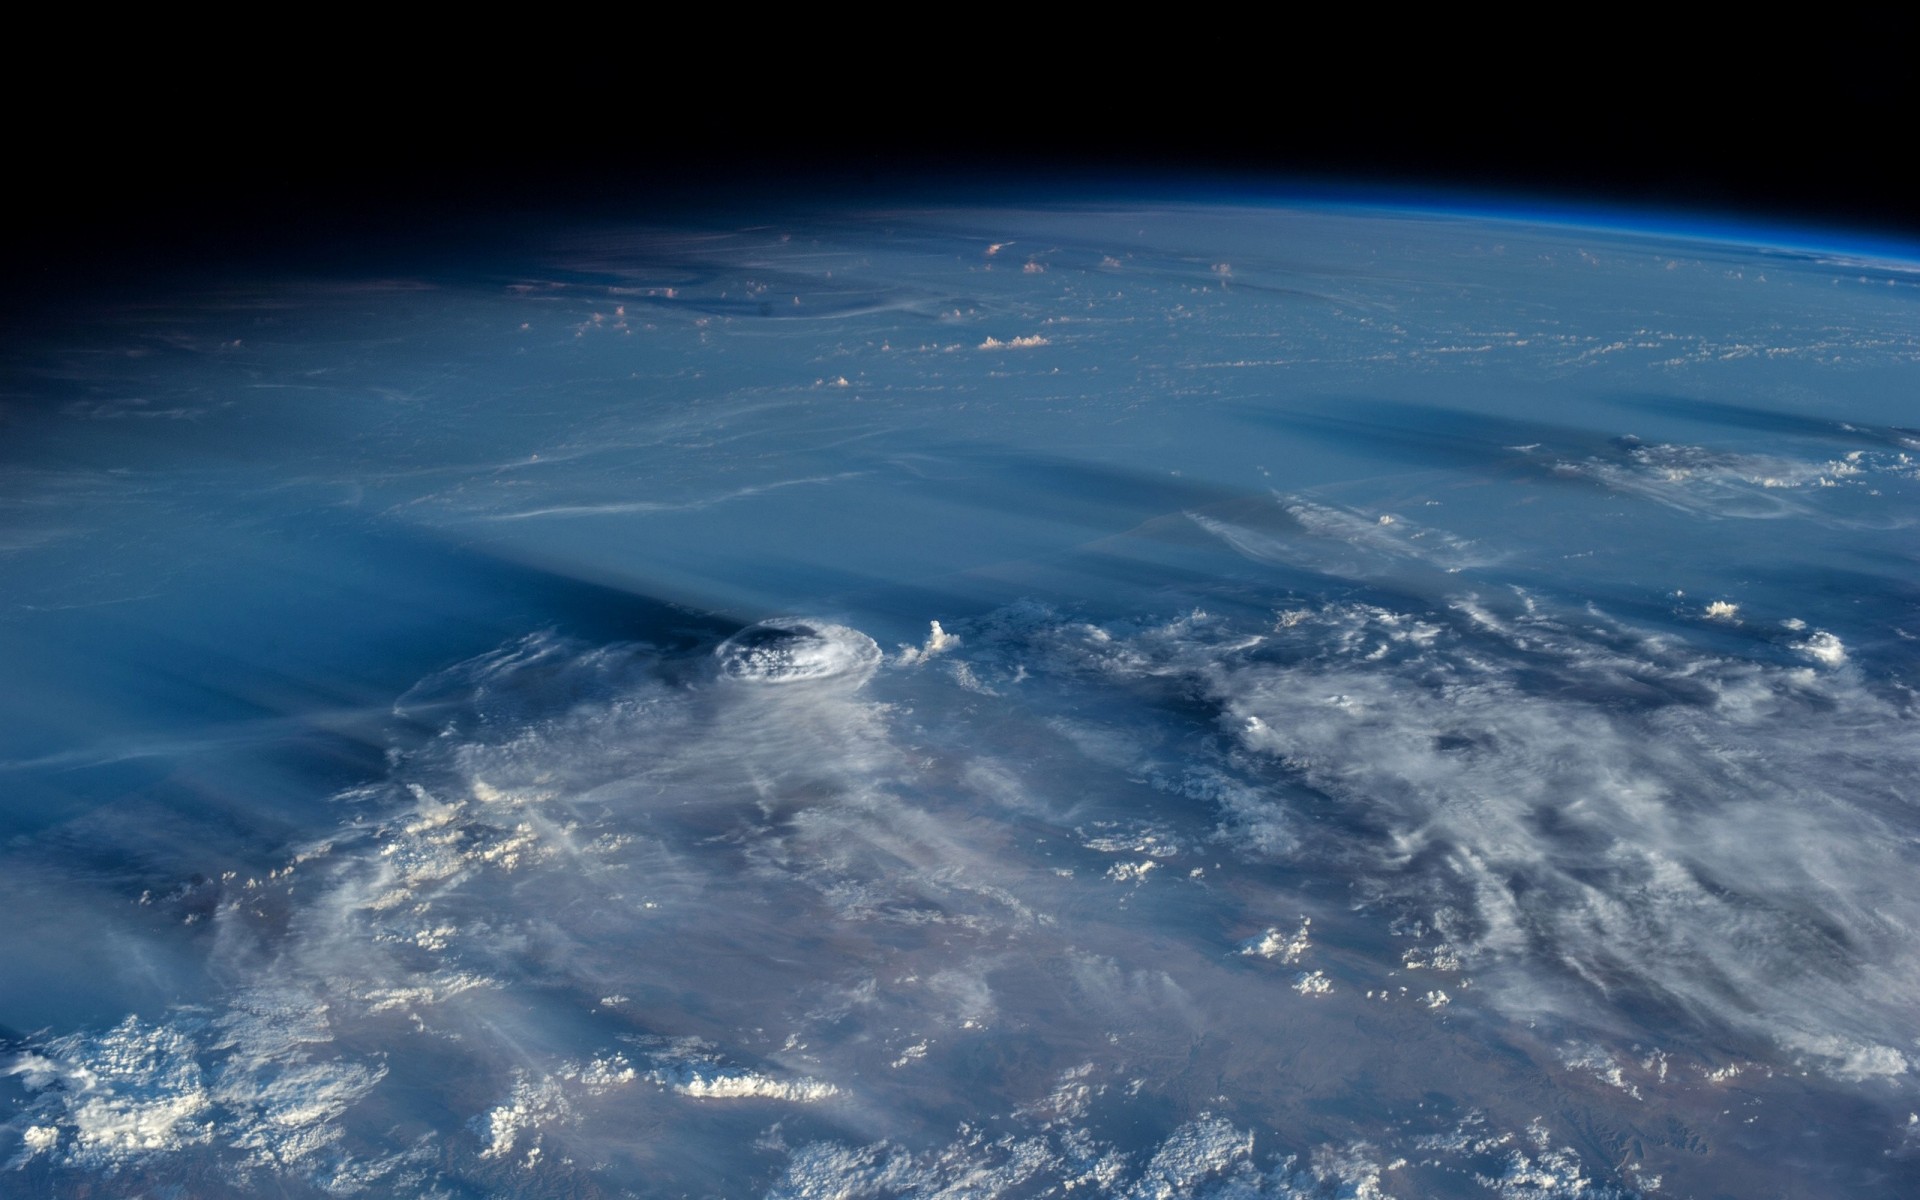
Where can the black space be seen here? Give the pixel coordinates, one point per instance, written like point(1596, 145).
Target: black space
point(336, 146)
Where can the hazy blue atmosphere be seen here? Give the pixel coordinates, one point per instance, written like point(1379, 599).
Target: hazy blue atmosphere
point(1147, 700)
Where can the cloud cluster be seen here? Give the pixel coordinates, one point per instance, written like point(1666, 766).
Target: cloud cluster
point(834, 899)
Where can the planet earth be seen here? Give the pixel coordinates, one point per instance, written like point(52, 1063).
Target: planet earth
point(1192, 696)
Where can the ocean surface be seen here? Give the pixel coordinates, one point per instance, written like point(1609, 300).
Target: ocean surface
point(1154, 700)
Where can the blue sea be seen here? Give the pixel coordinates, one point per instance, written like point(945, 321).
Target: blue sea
point(1154, 698)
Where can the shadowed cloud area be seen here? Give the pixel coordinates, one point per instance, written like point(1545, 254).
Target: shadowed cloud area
point(1162, 700)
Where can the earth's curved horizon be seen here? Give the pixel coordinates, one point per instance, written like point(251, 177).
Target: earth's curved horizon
point(1156, 698)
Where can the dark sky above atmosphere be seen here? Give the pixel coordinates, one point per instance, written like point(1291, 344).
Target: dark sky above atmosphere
point(351, 145)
